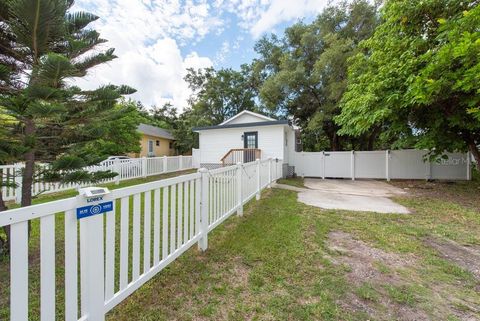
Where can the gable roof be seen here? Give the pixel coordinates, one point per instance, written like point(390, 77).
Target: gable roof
point(154, 131)
point(251, 113)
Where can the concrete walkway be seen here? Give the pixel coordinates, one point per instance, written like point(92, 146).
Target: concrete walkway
point(359, 195)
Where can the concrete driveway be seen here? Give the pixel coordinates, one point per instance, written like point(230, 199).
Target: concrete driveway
point(358, 195)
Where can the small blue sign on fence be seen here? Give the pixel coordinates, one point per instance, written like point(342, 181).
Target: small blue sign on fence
point(91, 210)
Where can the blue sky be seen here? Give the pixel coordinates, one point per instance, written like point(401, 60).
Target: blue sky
point(157, 40)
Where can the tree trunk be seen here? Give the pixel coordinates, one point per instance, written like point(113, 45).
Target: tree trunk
point(475, 152)
point(4, 243)
point(335, 142)
point(29, 171)
point(27, 176)
point(371, 140)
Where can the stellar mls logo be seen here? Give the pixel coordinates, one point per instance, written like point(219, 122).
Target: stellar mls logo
point(454, 161)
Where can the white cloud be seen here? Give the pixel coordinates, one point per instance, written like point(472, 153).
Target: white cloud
point(147, 36)
point(156, 71)
point(260, 16)
point(283, 10)
point(222, 54)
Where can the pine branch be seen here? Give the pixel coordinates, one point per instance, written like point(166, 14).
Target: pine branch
point(93, 61)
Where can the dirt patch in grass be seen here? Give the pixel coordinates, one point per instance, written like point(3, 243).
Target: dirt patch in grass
point(362, 259)
point(467, 257)
point(386, 286)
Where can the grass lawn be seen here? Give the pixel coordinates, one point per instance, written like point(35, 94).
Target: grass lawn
point(287, 261)
point(296, 182)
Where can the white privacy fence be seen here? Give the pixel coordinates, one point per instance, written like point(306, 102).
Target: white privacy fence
point(124, 238)
point(125, 168)
point(394, 164)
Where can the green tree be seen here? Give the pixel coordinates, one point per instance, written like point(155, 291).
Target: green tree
point(185, 138)
point(304, 74)
point(217, 95)
point(119, 135)
point(418, 77)
point(165, 116)
point(220, 94)
point(43, 46)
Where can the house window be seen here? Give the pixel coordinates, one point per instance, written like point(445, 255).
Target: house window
point(157, 143)
point(150, 147)
point(170, 145)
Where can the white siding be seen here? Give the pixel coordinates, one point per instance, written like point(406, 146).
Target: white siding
point(215, 143)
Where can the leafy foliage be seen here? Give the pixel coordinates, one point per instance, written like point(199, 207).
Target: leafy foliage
point(221, 94)
point(418, 77)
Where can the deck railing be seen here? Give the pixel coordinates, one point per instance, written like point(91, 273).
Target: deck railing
point(241, 155)
point(159, 220)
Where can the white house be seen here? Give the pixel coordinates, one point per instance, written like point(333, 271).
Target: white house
point(245, 137)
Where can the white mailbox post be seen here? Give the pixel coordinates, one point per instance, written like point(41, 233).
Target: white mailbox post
point(94, 202)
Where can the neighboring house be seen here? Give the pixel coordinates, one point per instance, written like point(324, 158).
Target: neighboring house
point(245, 137)
point(155, 141)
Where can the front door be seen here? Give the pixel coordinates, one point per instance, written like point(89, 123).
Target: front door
point(250, 142)
point(150, 148)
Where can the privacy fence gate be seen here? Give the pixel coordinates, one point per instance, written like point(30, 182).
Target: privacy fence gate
point(394, 164)
point(144, 228)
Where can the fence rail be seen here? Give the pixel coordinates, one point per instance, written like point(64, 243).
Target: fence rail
point(158, 220)
point(126, 169)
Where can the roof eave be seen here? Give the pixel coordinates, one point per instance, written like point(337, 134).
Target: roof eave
point(254, 124)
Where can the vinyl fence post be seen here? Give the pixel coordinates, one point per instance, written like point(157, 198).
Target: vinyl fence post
point(17, 171)
point(180, 162)
point(239, 189)
point(144, 167)
point(203, 242)
point(257, 196)
point(323, 164)
point(116, 169)
point(352, 164)
point(387, 165)
point(92, 263)
point(469, 166)
point(165, 164)
point(269, 172)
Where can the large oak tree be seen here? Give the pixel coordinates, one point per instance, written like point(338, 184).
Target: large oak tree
point(418, 77)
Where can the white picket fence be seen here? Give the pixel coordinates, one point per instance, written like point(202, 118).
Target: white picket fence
point(126, 169)
point(165, 217)
point(386, 164)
